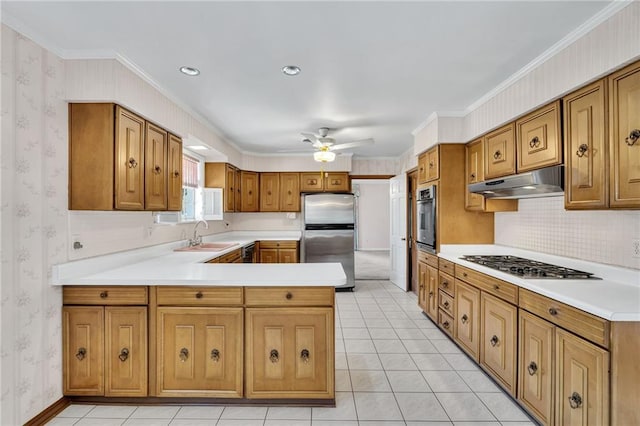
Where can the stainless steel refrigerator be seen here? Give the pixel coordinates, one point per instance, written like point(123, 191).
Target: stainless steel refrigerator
point(328, 232)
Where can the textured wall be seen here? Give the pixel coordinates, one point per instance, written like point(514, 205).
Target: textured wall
point(544, 225)
point(373, 213)
point(34, 226)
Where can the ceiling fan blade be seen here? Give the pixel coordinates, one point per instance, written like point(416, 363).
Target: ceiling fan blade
point(316, 143)
point(353, 144)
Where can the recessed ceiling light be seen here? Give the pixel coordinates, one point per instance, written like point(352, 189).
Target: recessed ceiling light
point(189, 71)
point(291, 70)
point(197, 147)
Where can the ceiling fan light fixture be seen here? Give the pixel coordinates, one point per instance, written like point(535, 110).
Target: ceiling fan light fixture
point(190, 71)
point(324, 156)
point(291, 70)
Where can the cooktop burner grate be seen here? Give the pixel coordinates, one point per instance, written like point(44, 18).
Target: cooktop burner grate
point(526, 268)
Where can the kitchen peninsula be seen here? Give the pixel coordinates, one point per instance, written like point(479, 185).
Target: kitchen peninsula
point(161, 323)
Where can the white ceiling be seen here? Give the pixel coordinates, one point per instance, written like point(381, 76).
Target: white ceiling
point(369, 69)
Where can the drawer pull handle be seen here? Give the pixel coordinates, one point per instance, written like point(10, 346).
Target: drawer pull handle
point(304, 354)
point(582, 150)
point(124, 354)
point(430, 294)
point(446, 305)
point(464, 274)
point(473, 176)
point(274, 356)
point(104, 295)
point(82, 352)
point(199, 295)
point(445, 283)
point(132, 163)
point(446, 324)
point(535, 142)
point(575, 400)
point(633, 137)
point(184, 354)
point(289, 296)
point(553, 311)
point(431, 164)
point(176, 173)
point(496, 287)
point(464, 319)
point(157, 170)
point(494, 340)
point(497, 155)
point(215, 355)
point(532, 368)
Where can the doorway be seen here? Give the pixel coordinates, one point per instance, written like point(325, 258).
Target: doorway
point(412, 257)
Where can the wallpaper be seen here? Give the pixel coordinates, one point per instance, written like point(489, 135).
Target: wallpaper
point(34, 221)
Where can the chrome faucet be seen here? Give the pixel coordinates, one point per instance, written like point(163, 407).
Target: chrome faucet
point(197, 239)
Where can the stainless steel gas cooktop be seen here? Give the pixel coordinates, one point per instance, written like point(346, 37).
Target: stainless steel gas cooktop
point(526, 268)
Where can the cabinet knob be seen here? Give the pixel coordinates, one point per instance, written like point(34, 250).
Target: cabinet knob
point(289, 192)
point(430, 294)
point(446, 305)
point(464, 319)
point(473, 176)
point(496, 287)
point(199, 295)
point(494, 340)
point(464, 274)
point(274, 356)
point(157, 170)
point(582, 150)
point(633, 137)
point(575, 400)
point(289, 296)
point(184, 354)
point(497, 155)
point(132, 163)
point(431, 164)
point(82, 352)
point(104, 294)
point(535, 142)
point(124, 354)
point(553, 311)
point(215, 355)
point(304, 355)
point(445, 284)
point(446, 324)
point(176, 173)
point(532, 368)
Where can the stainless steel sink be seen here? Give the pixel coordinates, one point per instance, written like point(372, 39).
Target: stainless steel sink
point(208, 247)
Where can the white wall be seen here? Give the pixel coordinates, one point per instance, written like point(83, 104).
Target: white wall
point(266, 222)
point(372, 213)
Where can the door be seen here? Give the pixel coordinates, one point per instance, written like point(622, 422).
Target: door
point(412, 181)
point(398, 238)
point(83, 350)
point(269, 192)
point(129, 161)
point(125, 351)
point(174, 193)
point(498, 332)
point(155, 166)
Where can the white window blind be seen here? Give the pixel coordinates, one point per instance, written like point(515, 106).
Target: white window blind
point(189, 172)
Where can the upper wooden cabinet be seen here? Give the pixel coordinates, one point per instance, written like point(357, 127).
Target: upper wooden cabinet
point(117, 160)
point(586, 180)
point(539, 138)
point(174, 169)
point(290, 192)
point(429, 165)
point(326, 181)
point(624, 124)
point(249, 192)
point(227, 177)
point(500, 152)
point(269, 192)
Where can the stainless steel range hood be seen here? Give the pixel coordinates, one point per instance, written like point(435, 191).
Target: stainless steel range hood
point(547, 182)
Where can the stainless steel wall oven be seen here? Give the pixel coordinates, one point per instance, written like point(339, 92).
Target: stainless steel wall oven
point(426, 218)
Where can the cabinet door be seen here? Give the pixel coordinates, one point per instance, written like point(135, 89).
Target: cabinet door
point(433, 164)
point(289, 353)
point(125, 351)
point(586, 180)
point(500, 152)
point(268, 255)
point(269, 192)
point(337, 182)
point(474, 155)
point(200, 352)
point(311, 182)
point(624, 118)
point(230, 188)
point(432, 292)
point(535, 370)
point(288, 256)
point(422, 286)
point(467, 321)
point(422, 168)
point(174, 174)
point(249, 191)
point(499, 339)
point(155, 166)
point(289, 192)
point(129, 161)
point(538, 138)
point(582, 381)
point(83, 350)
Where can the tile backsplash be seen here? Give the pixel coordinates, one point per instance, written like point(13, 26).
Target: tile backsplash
point(542, 224)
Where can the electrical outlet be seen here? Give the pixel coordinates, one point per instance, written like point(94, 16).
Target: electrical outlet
point(635, 247)
point(75, 242)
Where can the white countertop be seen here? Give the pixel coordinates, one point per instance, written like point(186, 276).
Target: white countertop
point(616, 297)
point(160, 265)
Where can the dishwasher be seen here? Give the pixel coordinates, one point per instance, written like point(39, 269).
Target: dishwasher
point(248, 252)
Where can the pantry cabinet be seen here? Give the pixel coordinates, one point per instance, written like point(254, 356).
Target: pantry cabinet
point(624, 137)
point(500, 152)
point(539, 138)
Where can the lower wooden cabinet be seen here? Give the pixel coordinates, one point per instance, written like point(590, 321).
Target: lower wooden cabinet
point(200, 351)
point(467, 321)
point(289, 353)
point(278, 252)
point(498, 339)
point(105, 350)
point(422, 286)
point(432, 292)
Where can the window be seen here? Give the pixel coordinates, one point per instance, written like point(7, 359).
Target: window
point(191, 195)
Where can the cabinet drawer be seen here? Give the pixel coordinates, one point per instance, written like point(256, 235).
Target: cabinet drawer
point(502, 289)
point(446, 302)
point(231, 257)
point(579, 322)
point(428, 258)
point(104, 295)
point(446, 283)
point(445, 322)
point(446, 266)
point(289, 296)
point(278, 244)
point(199, 296)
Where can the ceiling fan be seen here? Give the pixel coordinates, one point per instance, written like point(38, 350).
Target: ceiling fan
point(326, 145)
